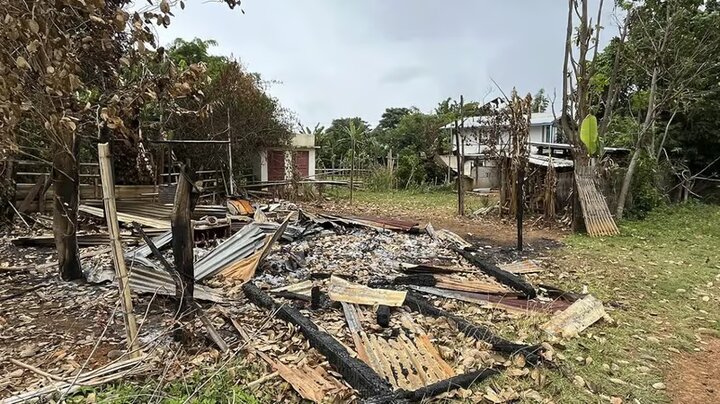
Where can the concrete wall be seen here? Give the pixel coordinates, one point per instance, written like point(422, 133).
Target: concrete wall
point(303, 141)
point(260, 166)
point(311, 164)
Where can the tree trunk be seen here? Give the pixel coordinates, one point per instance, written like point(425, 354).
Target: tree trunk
point(664, 138)
point(7, 188)
point(65, 205)
point(649, 119)
point(352, 171)
point(182, 238)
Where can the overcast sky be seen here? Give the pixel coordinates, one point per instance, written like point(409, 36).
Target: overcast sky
point(355, 58)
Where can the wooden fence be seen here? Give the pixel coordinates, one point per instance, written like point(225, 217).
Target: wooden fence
point(30, 174)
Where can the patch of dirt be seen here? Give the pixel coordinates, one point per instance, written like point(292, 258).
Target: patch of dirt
point(693, 377)
point(489, 229)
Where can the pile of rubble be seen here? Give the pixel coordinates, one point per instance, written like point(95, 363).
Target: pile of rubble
point(340, 307)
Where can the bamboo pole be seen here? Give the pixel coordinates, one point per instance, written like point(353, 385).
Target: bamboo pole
point(108, 186)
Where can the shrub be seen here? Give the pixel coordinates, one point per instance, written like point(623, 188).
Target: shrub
point(380, 179)
point(646, 195)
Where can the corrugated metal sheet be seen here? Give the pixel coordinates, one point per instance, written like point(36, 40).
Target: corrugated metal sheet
point(373, 222)
point(241, 245)
point(144, 251)
point(147, 280)
point(290, 234)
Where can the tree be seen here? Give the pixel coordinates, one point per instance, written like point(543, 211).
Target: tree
point(540, 101)
point(668, 46)
point(355, 133)
point(392, 117)
point(80, 72)
point(335, 144)
point(240, 109)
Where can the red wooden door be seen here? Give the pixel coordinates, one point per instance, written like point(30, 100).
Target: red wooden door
point(276, 165)
point(301, 160)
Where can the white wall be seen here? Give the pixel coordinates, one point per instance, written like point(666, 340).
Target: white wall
point(303, 141)
point(260, 166)
point(311, 164)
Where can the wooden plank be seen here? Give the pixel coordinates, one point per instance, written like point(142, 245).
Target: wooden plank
point(424, 341)
point(576, 318)
point(128, 218)
point(343, 291)
point(306, 387)
point(522, 267)
point(353, 321)
point(36, 190)
point(468, 285)
point(380, 348)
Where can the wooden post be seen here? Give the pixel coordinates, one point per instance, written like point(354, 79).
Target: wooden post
point(182, 237)
point(65, 204)
point(519, 208)
point(352, 169)
point(460, 161)
point(108, 186)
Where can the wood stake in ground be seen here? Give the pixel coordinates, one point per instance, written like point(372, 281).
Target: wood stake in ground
point(182, 237)
point(108, 187)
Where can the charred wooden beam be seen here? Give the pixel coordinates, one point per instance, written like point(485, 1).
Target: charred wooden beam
point(418, 280)
point(182, 238)
point(417, 303)
point(357, 373)
point(315, 299)
point(464, 380)
point(506, 278)
point(383, 316)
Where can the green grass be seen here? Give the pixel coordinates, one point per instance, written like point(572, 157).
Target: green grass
point(228, 386)
point(415, 202)
point(652, 278)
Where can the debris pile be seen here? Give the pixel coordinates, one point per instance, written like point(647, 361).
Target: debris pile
point(338, 306)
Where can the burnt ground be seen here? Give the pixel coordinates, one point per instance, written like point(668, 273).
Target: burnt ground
point(67, 327)
point(498, 235)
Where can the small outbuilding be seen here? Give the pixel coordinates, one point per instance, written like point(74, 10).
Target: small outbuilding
point(277, 164)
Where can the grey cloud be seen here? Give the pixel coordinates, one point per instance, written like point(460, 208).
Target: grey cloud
point(355, 58)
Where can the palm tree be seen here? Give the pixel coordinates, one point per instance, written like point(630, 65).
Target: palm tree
point(355, 133)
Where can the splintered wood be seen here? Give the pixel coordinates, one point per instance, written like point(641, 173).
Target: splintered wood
point(343, 291)
point(573, 320)
point(467, 285)
point(405, 363)
point(598, 219)
point(521, 267)
point(312, 383)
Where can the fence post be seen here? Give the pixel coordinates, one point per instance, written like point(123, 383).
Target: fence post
point(108, 186)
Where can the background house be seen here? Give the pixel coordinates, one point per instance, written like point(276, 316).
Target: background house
point(480, 162)
point(278, 163)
